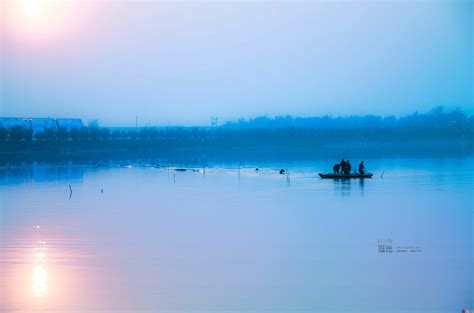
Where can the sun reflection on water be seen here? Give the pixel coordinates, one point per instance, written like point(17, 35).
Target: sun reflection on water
point(39, 278)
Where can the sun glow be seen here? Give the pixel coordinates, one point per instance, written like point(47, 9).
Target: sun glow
point(33, 7)
point(42, 19)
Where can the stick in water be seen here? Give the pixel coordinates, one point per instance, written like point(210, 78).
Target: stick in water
point(382, 174)
point(70, 191)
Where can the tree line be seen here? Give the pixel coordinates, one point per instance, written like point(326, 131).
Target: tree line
point(261, 131)
point(436, 118)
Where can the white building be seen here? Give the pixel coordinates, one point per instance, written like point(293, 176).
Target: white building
point(9, 122)
point(39, 125)
point(69, 123)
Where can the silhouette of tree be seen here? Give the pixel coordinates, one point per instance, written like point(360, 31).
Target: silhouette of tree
point(3, 134)
point(18, 133)
point(104, 133)
point(62, 134)
point(75, 134)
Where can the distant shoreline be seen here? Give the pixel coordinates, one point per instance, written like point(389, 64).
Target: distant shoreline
point(436, 133)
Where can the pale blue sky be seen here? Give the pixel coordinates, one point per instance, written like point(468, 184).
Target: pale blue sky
point(181, 63)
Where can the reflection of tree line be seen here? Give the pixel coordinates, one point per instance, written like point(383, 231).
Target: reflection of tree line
point(260, 132)
point(38, 173)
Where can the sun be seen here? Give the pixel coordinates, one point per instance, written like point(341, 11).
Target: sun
point(30, 12)
point(43, 20)
point(32, 7)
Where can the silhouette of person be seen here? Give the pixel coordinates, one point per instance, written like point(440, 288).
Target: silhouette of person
point(343, 166)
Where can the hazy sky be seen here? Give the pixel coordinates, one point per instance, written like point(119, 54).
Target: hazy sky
point(181, 63)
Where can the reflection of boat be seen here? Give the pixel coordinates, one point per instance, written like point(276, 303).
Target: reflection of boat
point(367, 175)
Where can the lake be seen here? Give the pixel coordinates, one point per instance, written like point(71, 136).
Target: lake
point(132, 237)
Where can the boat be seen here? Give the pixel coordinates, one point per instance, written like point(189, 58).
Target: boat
point(344, 176)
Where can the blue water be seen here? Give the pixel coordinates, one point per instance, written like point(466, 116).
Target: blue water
point(144, 239)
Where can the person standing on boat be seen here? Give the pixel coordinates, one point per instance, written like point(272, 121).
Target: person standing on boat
point(343, 166)
point(361, 168)
point(348, 167)
point(336, 168)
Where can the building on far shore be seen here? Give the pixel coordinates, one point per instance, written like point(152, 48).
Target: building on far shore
point(38, 125)
point(69, 123)
point(9, 122)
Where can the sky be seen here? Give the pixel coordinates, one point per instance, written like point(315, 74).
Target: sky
point(180, 63)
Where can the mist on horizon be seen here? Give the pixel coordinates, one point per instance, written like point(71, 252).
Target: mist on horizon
point(182, 63)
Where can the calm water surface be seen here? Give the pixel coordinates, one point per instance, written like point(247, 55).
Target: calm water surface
point(144, 239)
